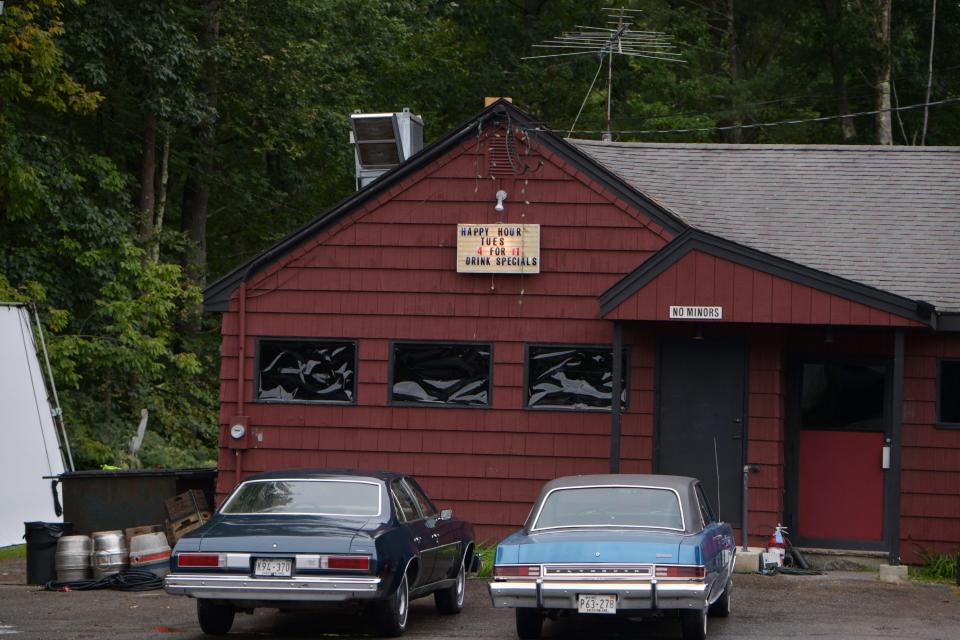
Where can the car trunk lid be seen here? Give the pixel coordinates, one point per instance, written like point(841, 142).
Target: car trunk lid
point(279, 534)
point(604, 546)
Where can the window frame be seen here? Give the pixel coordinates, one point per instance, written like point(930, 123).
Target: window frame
point(259, 340)
point(940, 422)
point(440, 405)
point(624, 407)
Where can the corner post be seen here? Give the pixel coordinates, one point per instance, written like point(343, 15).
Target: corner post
point(893, 441)
point(615, 397)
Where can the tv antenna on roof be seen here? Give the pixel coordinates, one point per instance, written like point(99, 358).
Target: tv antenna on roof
point(620, 39)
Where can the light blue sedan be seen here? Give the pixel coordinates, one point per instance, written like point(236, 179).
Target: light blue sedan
point(617, 544)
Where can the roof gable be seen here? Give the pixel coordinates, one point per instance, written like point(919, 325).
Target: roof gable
point(680, 275)
point(217, 294)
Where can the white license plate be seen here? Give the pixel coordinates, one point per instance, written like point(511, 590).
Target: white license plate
point(273, 568)
point(591, 603)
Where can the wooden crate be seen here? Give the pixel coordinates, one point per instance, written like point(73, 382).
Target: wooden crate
point(176, 529)
point(184, 504)
point(130, 532)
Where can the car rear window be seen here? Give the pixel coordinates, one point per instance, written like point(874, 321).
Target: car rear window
point(610, 507)
point(314, 497)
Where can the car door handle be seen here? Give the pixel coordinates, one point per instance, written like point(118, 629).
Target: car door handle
point(417, 539)
point(435, 536)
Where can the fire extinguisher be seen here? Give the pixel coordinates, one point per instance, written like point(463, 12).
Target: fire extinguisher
point(777, 547)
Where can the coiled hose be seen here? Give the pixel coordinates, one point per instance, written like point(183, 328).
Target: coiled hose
point(126, 580)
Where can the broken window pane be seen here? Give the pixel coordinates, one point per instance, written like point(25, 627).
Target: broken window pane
point(573, 377)
point(306, 371)
point(432, 373)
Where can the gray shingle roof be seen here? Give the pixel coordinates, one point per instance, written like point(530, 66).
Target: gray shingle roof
point(887, 217)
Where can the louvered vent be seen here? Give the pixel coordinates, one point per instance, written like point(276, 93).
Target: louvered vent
point(502, 155)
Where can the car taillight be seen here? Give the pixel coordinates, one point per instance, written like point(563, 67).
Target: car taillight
point(356, 563)
point(673, 571)
point(516, 571)
point(201, 560)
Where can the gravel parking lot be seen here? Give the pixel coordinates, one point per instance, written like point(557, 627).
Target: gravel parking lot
point(835, 606)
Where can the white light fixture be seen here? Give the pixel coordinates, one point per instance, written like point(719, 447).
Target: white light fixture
point(501, 196)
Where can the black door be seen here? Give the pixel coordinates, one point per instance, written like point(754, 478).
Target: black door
point(701, 417)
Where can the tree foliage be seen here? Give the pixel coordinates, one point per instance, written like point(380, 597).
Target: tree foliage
point(149, 145)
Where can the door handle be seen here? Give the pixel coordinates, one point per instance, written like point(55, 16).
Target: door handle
point(435, 536)
point(417, 539)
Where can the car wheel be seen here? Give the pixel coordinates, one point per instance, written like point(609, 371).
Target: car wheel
point(722, 607)
point(450, 600)
point(529, 624)
point(215, 619)
point(694, 624)
point(392, 612)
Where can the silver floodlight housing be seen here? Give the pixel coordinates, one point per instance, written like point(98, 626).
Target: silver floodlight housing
point(381, 141)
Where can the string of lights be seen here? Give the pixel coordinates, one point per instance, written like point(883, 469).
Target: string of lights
point(759, 125)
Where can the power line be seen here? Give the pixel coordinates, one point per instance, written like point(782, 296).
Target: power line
point(759, 125)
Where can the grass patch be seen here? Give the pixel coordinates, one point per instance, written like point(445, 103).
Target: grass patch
point(936, 567)
point(487, 552)
point(13, 552)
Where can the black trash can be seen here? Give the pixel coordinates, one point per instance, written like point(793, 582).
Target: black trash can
point(42, 540)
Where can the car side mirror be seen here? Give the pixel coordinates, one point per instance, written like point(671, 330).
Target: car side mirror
point(446, 514)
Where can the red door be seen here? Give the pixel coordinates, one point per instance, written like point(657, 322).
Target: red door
point(840, 492)
point(839, 475)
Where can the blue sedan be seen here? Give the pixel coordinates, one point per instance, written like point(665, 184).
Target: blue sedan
point(617, 544)
point(305, 537)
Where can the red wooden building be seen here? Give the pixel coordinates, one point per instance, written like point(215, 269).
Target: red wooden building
point(793, 308)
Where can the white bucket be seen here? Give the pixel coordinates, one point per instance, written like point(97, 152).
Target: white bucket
point(150, 552)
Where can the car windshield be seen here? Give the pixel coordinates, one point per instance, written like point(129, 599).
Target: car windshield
point(610, 507)
point(315, 497)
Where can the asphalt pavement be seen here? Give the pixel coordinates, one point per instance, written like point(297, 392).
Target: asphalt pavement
point(835, 606)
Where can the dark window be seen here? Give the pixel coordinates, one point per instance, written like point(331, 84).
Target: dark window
point(432, 373)
point(842, 396)
point(405, 504)
point(306, 371)
point(949, 391)
point(573, 377)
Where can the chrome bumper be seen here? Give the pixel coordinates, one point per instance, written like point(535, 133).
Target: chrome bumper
point(299, 589)
point(631, 596)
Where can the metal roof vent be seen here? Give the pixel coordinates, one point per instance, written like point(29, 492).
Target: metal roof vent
point(381, 141)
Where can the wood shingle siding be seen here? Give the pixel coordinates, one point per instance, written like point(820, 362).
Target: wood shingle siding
point(388, 273)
